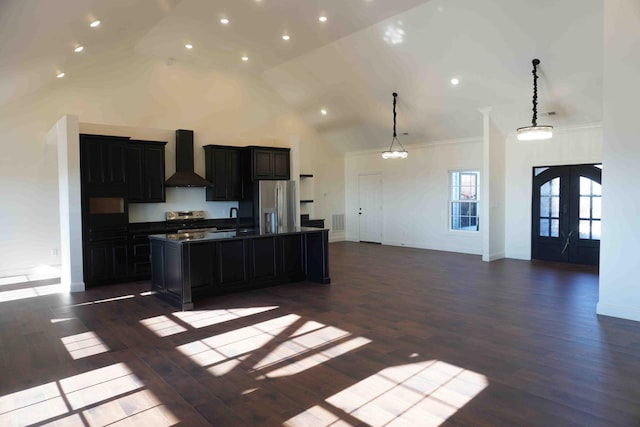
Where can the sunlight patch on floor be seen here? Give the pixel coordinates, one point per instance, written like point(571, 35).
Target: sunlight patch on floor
point(106, 396)
point(309, 345)
point(422, 393)
point(162, 326)
point(36, 291)
point(223, 348)
point(41, 272)
point(84, 345)
point(102, 301)
point(204, 318)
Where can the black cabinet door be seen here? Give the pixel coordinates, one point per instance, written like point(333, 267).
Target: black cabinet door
point(235, 189)
point(106, 262)
point(139, 261)
point(291, 255)
point(264, 261)
point(281, 167)
point(135, 173)
point(154, 172)
point(145, 172)
point(201, 267)
point(262, 166)
point(232, 262)
point(223, 169)
point(270, 163)
point(103, 160)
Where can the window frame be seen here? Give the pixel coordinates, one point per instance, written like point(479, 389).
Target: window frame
point(452, 185)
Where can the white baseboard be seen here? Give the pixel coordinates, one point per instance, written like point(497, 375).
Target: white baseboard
point(77, 287)
point(336, 237)
point(494, 256)
point(419, 245)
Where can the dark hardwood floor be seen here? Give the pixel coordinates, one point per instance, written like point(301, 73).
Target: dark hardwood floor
point(401, 337)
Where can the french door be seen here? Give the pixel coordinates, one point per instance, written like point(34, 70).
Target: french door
point(566, 214)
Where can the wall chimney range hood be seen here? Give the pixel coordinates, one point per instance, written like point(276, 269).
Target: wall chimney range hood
point(185, 176)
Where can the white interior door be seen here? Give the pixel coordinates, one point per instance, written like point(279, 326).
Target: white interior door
point(370, 209)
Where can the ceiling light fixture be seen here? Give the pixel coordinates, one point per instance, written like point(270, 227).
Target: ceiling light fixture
point(245, 58)
point(286, 37)
point(455, 81)
point(60, 75)
point(322, 18)
point(78, 49)
point(94, 24)
point(224, 21)
point(535, 131)
point(188, 46)
point(391, 153)
point(323, 112)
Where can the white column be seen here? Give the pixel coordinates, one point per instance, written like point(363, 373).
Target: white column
point(619, 254)
point(66, 132)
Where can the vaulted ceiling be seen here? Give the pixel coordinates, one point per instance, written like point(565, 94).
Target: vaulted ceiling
point(348, 65)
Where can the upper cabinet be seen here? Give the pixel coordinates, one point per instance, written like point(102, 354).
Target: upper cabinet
point(269, 163)
point(145, 171)
point(103, 160)
point(223, 170)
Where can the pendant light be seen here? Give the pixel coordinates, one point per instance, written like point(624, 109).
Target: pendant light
point(535, 131)
point(391, 153)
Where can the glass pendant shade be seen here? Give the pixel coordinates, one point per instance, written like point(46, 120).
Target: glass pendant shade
point(534, 133)
point(395, 154)
point(392, 153)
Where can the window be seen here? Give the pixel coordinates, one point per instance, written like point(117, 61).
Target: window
point(463, 205)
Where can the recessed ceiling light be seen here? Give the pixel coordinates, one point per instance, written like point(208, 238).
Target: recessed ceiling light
point(323, 112)
point(60, 75)
point(78, 49)
point(224, 21)
point(188, 46)
point(245, 58)
point(455, 81)
point(94, 24)
point(322, 18)
point(285, 37)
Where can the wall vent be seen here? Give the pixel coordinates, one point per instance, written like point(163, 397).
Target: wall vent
point(337, 222)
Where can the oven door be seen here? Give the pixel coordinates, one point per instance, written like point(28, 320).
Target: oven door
point(106, 208)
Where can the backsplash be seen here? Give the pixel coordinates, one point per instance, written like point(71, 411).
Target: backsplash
point(179, 199)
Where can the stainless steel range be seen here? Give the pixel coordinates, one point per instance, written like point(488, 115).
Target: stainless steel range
point(188, 221)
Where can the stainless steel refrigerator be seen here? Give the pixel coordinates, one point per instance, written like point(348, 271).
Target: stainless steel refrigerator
point(275, 206)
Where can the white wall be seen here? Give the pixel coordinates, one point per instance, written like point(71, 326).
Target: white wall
point(125, 90)
point(415, 195)
point(619, 254)
point(570, 146)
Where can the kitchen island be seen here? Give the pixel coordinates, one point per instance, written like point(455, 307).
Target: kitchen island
point(187, 266)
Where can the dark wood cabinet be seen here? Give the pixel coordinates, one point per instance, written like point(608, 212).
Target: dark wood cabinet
point(269, 163)
point(105, 212)
point(145, 171)
point(103, 160)
point(232, 262)
point(105, 256)
point(139, 262)
point(223, 169)
point(182, 269)
point(291, 255)
point(107, 262)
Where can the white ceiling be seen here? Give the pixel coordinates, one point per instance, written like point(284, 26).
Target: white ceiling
point(349, 65)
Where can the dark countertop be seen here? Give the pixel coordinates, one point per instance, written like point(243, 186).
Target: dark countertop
point(228, 234)
point(159, 227)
